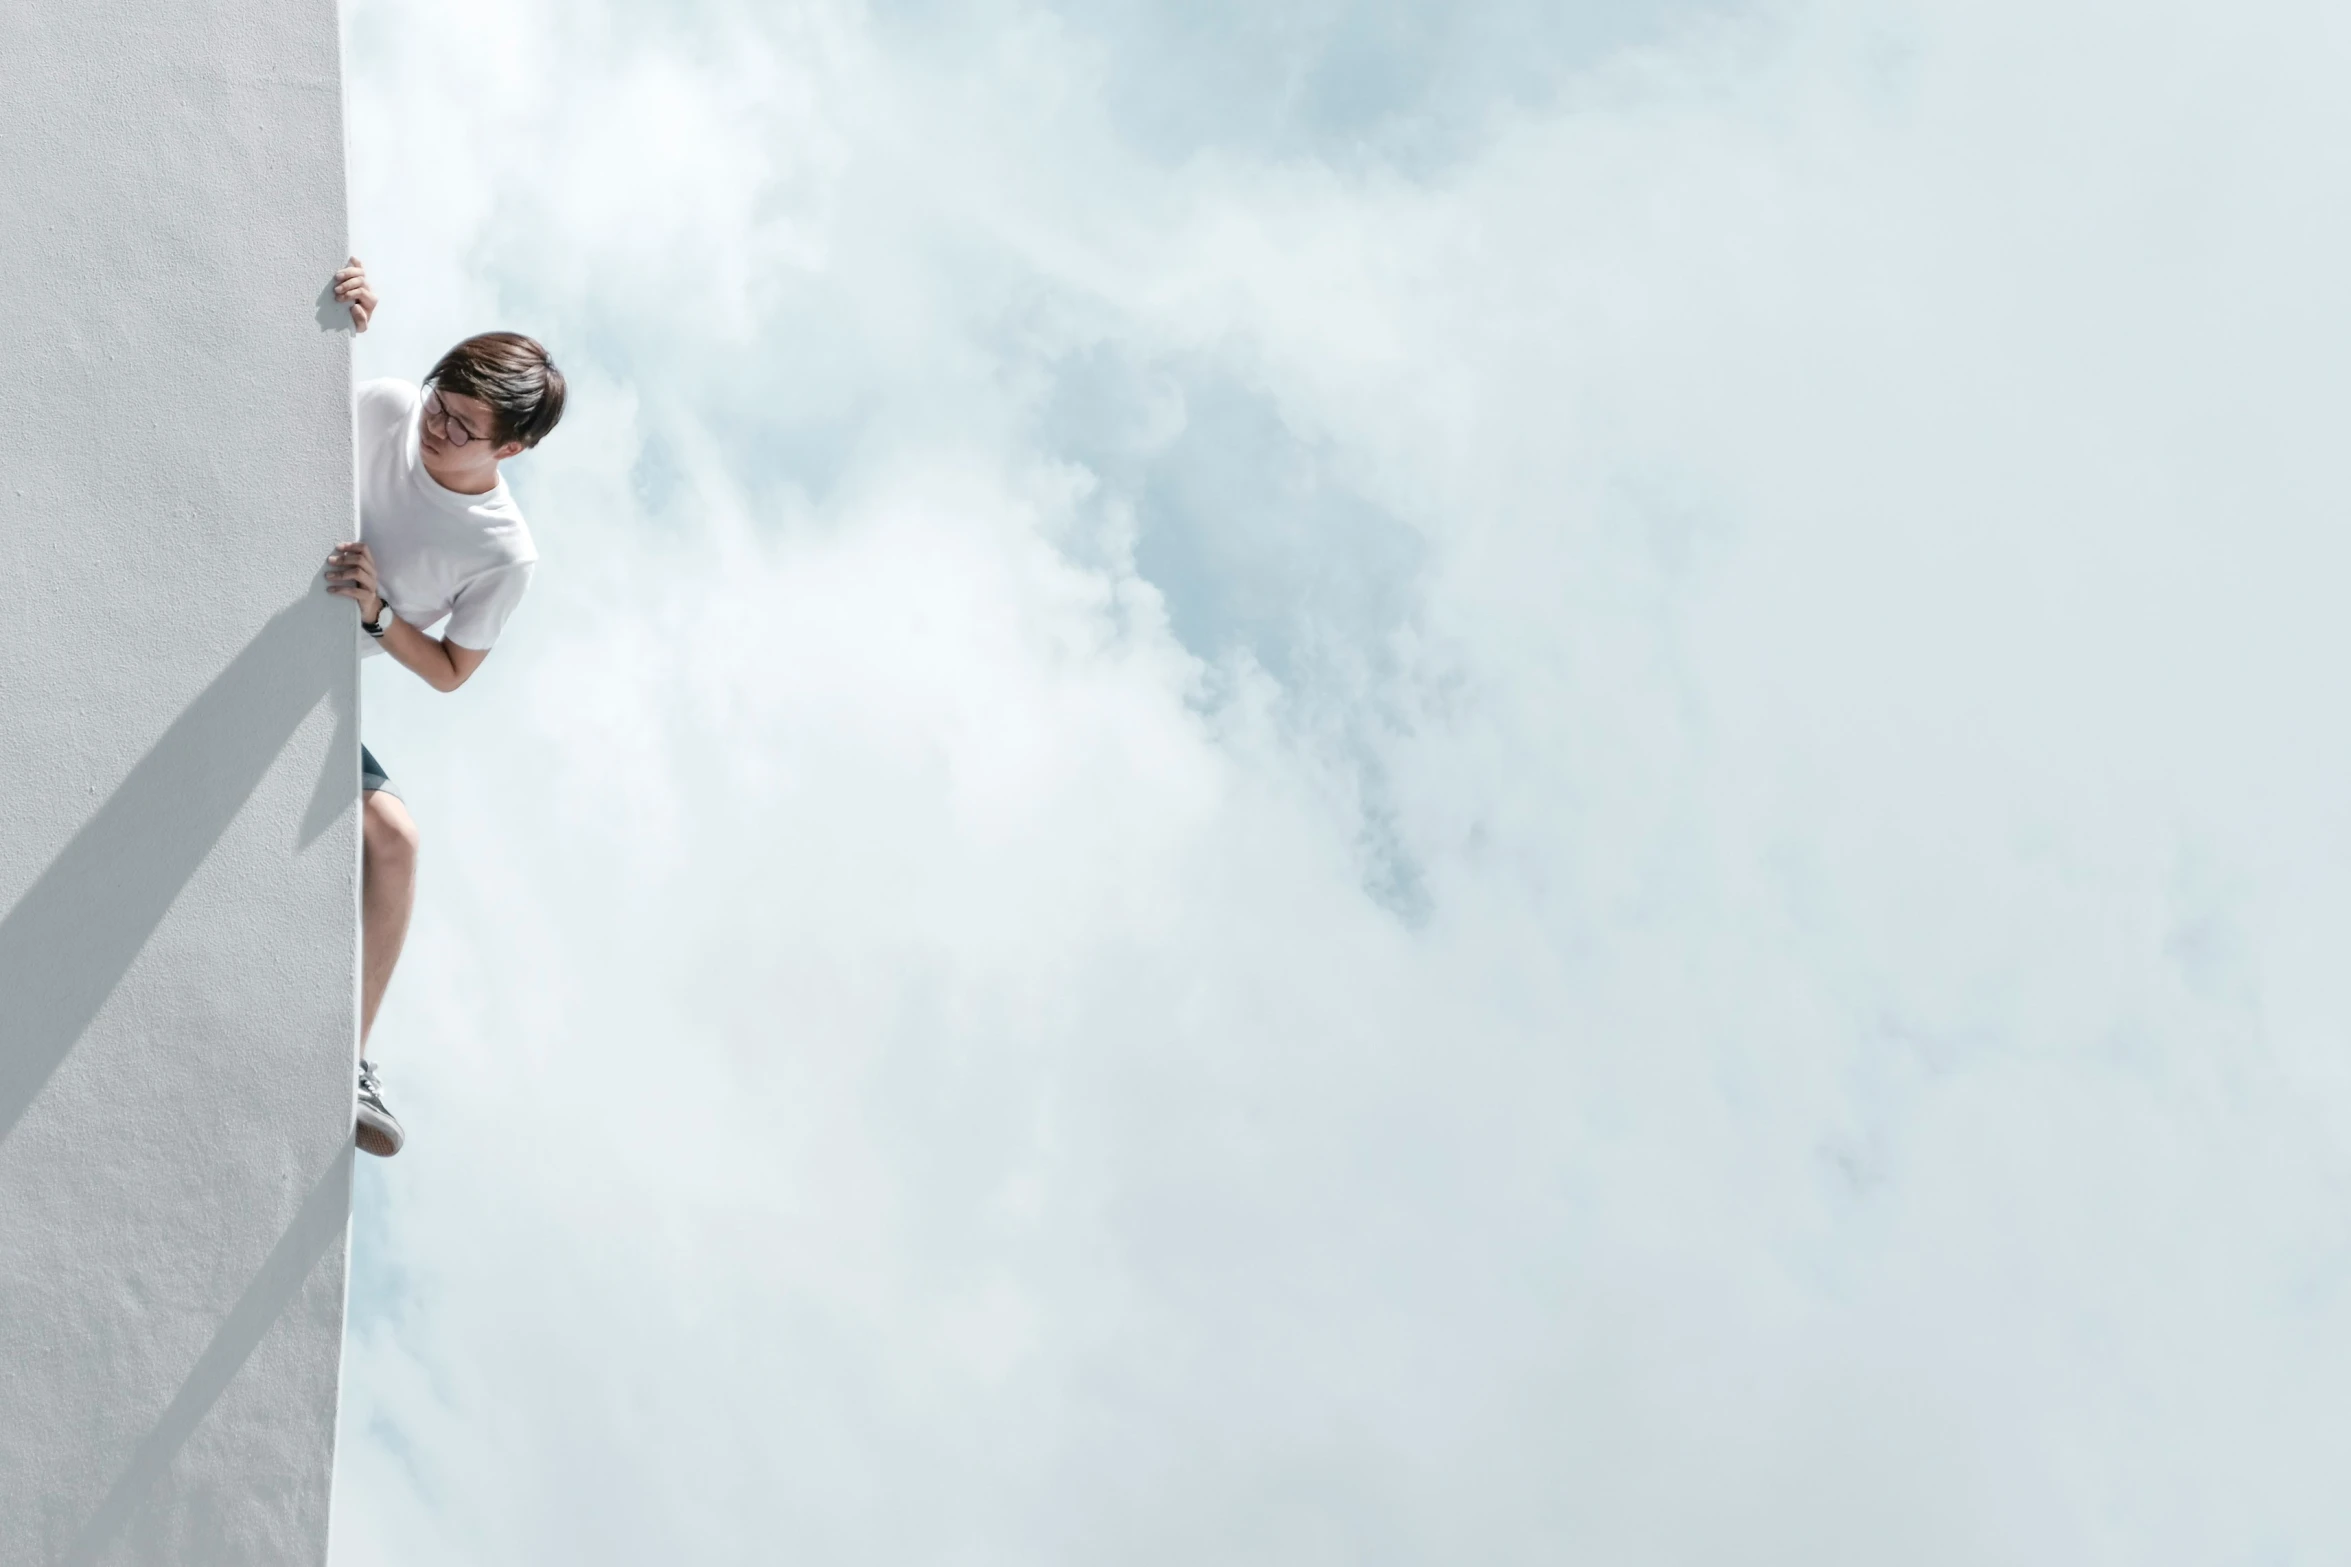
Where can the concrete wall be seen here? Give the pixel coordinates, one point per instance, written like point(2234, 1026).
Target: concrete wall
point(178, 733)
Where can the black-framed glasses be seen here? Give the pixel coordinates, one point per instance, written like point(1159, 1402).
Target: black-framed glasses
point(453, 429)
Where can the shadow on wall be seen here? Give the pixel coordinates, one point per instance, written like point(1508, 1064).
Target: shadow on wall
point(74, 934)
point(316, 1226)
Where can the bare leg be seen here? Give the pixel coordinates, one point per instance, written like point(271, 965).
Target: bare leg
point(387, 895)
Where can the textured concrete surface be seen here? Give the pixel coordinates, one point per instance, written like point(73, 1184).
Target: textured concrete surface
point(178, 827)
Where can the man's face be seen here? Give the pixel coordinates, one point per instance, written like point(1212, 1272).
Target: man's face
point(459, 429)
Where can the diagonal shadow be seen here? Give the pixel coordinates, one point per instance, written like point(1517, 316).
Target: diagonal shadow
point(316, 1225)
point(74, 934)
point(338, 780)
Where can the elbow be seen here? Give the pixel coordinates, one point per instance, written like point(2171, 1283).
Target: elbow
point(457, 666)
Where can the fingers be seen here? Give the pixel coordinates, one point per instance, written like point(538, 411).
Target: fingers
point(351, 289)
point(351, 571)
point(362, 300)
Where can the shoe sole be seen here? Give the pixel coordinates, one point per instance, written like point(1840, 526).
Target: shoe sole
point(376, 1140)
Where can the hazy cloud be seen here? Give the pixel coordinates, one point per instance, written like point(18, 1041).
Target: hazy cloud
point(1215, 838)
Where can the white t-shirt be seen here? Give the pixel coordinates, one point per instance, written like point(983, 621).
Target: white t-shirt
point(437, 552)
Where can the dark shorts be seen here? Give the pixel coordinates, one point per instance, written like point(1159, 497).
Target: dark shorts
point(372, 777)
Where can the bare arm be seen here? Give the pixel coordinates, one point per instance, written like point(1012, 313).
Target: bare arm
point(444, 665)
point(440, 663)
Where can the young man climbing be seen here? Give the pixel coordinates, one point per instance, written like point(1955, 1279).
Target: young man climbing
point(439, 536)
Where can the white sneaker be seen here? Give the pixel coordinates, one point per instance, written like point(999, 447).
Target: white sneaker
point(379, 1129)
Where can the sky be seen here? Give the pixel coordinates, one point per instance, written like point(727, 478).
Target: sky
point(1373, 783)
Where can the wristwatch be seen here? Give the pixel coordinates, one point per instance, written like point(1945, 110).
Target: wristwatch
point(382, 623)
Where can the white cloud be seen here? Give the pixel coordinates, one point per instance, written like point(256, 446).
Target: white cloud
point(909, 1060)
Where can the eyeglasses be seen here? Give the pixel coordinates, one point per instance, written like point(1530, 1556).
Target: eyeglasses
point(451, 428)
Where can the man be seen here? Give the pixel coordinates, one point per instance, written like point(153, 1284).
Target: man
point(439, 537)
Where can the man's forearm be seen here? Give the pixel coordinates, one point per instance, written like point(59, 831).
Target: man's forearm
point(428, 656)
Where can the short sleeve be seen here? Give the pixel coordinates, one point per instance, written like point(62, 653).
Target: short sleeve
point(383, 404)
point(483, 604)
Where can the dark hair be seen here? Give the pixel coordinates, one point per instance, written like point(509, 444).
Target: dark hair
point(511, 373)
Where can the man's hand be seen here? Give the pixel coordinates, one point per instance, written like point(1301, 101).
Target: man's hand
point(351, 288)
point(351, 574)
point(444, 665)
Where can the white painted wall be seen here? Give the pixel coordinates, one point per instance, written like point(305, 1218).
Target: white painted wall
point(178, 741)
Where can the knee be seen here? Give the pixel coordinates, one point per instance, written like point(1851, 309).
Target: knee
point(390, 835)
